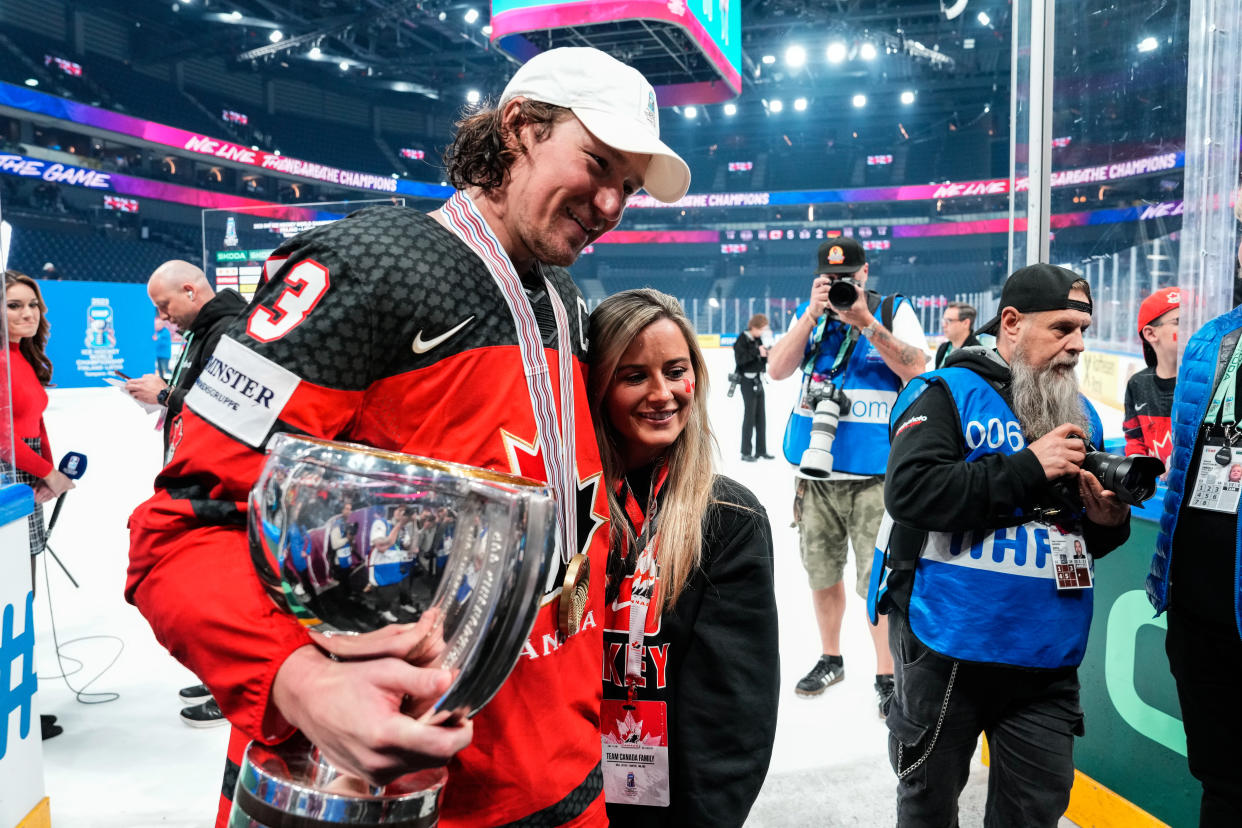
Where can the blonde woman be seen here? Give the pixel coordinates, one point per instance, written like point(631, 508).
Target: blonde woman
point(691, 673)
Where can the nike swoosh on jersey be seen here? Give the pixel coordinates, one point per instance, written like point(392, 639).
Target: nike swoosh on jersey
point(422, 346)
point(1139, 406)
point(619, 606)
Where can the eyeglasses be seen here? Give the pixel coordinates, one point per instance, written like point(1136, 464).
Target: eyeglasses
point(950, 319)
point(1164, 322)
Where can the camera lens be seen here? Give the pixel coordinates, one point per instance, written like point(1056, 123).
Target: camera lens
point(842, 294)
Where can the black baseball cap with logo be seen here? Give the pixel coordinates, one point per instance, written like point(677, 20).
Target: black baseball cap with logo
point(841, 255)
point(1035, 288)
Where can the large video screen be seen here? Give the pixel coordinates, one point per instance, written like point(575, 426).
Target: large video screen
point(237, 241)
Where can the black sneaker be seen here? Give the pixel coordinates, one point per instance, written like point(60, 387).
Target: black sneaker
point(884, 694)
point(824, 673)
point(748, 458)
point(206, 714)
point(49, 728)
point(194, 695)
point(766, 456)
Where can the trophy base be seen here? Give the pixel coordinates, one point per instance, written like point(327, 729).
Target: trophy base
point(290, 785)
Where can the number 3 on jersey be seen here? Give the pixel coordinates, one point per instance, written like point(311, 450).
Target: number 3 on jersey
point(306, 282)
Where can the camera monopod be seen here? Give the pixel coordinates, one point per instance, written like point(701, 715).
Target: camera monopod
point(72, 466)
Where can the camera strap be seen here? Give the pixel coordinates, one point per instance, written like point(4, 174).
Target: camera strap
point(885, 306)
point(557, 442)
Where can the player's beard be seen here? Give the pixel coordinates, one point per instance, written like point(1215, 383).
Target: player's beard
point(1047, 396)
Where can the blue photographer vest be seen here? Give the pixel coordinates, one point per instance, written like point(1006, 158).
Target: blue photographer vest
point(861, 445)
point(990, 595)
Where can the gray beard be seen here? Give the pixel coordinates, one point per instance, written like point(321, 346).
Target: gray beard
point(1044, 398)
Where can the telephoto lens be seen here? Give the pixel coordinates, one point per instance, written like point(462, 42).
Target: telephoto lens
point(828, 400)
point(842, 294)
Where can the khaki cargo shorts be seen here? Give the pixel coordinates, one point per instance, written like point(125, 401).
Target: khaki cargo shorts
point(834, 514)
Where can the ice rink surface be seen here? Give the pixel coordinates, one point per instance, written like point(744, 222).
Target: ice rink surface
point(131, 763)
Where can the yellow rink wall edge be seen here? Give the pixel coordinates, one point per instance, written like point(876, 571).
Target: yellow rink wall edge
point(40, 816)
point(1094, 806)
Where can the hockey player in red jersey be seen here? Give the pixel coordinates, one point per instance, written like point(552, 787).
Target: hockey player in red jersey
point(455, 335)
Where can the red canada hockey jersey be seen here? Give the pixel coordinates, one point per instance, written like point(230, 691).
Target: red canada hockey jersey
point(384, 329)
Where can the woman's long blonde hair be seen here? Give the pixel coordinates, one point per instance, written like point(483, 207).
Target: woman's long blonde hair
point(614, 325)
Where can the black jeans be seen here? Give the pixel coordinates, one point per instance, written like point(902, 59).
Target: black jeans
point(754, 416)
point(940, 706)
point(1206, 660)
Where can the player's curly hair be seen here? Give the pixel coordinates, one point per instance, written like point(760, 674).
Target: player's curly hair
point(484, 148)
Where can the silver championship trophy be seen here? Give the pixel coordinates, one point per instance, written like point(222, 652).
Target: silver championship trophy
point(350, 539)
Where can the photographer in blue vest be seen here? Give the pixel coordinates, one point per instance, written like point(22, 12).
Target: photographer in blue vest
point(855, 350)
point(993, 528)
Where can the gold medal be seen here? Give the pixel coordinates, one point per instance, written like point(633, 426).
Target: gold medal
point(574, 594)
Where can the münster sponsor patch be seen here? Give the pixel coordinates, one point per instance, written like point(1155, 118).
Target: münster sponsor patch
point(241, 392)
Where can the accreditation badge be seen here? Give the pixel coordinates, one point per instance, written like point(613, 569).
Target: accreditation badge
point(1219, 482)
point(635, 740)
point(1070, 560)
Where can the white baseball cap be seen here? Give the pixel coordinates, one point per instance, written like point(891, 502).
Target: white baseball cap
point(613, 101)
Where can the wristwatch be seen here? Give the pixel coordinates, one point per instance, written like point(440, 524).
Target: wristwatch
point(162, 397)
point(870, 329)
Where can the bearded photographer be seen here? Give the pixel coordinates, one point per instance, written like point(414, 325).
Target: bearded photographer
point(990, 613)
point(868, 346)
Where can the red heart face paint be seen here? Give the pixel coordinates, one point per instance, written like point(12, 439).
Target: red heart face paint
point(689, 385)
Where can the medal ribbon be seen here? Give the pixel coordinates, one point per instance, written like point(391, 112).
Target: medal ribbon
point(1223, 397)
point(645, 566)
point(557, 443)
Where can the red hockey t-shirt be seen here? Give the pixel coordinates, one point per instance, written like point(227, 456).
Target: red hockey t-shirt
point(336, 345)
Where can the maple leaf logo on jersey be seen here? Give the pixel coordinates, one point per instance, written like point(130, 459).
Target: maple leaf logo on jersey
point(526, 460)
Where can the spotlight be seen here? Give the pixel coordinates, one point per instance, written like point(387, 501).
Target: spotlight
point(441, 16)
point(472, 15)
point(907, 97)
point(1147, 44)
point(860, 101)
point(795, 56)
point(235, 15)
point(32, 82)
point(800, 104)
point(775, 105)
point(836, 51)
point(316, 53)
point(867, 50)
point(344, 66)
point(768, 60)
point(276, 36)
point(691, 112)
point(472, 96)
point(730, 109)
point(487, 31)
point(983, 19)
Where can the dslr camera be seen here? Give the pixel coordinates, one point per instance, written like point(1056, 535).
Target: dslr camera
point(828, 401)
point(1132, 478)
point(734, 379)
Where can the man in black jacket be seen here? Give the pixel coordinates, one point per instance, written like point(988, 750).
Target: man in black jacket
point(958, 323)
point(989, 613)
point(183, 296)
point(750, 360)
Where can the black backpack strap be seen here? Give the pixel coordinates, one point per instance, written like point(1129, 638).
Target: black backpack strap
point(886, 310)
